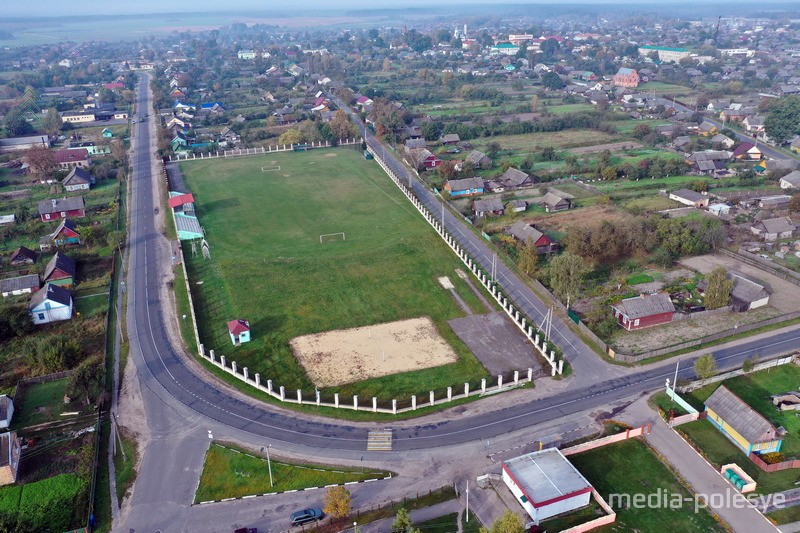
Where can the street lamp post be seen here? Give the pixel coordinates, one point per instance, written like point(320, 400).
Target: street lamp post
point(355, 526)
point(269, 466)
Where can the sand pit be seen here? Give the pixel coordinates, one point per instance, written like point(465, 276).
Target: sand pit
point(346, 356)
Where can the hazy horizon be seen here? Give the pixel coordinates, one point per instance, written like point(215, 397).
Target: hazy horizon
point(46, 8)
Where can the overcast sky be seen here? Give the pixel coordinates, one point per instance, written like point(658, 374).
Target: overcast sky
point(83, 7)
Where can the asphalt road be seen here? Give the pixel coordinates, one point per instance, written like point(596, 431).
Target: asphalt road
point(157, 360)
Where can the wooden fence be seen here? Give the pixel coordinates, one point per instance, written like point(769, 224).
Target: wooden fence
point(764, 264)
point(702, 340)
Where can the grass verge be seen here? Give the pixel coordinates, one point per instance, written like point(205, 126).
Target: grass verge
point(233, 472)
point(124, 465)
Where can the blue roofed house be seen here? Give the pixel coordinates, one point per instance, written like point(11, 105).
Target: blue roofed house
point(464, 187)
point(743, 425)
point(107, 133)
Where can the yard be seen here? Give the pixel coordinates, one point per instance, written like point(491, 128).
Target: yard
point(231, 472)
point(755, 389)
point(529, 142)
point(627, 468)
point(44, 402)
point(268, 266)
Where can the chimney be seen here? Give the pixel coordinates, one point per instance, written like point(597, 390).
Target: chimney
point(54, 203)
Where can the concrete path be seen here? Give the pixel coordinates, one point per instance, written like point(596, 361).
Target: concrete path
point(704, 479)
point(417, 516)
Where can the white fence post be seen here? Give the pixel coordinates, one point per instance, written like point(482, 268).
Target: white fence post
point(299, 396)
point(222, 360)
point(246, 375)
point(500, 381)
point(258, 380)
point(336, 399)
point(430, 395)
point(283, 393)
point(516, 377)
point(233, 366)
point(374, 404)
point(414, 402)
point(466, 389)
point(355, 402)
point(316, 393)
point(394, 407)
point(483, 385)
point(530, 375)
point(269, 386)
point(449, 394)
point(560, 366)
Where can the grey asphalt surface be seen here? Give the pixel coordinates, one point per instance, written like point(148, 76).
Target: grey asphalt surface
point(182, 405)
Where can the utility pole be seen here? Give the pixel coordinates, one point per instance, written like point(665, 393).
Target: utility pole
point(467, 519)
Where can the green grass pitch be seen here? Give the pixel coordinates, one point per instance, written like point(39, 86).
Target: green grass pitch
point(267, 264)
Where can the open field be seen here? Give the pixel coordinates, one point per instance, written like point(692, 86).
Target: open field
point(529, 142)
point(267, 264)
point(630, 467)
point(232, 472)
point(337, 357)
point(562, 221)
point(662, 88)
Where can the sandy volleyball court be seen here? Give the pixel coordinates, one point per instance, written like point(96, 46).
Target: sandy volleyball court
point(350, 355)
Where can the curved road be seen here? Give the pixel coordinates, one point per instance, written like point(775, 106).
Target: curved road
point(153, 354)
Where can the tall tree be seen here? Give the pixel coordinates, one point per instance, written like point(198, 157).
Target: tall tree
point(705, 366)
point(41, 160)
point(340, 126)
point(567, 272)
point(291, 136)
point(528, 258)
point(52, 122)
point(783, 119)
point(86, 381)
point(337, 502)
point(718, 293)
point(402, 522)
point(552, 81)
point(508, 523)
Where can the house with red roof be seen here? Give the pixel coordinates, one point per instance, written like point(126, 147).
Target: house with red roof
point(69, 159)
point(747, 151)
point(239, 330)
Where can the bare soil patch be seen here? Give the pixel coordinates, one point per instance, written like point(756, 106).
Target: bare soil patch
point(584, 217)
point(346, 356)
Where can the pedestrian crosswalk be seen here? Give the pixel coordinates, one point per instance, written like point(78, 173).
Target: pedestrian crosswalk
point(379, 440)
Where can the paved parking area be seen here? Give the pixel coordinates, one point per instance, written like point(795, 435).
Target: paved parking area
point(497, 343)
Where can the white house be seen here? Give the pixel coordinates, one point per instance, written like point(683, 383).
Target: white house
point(50, 303)
point(6, 411)
point(546, 484)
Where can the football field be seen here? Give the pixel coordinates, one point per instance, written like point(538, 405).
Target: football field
point(324, 243)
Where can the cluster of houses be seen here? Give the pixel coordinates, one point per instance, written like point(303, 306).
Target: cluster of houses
point(658, 308)
point(51, 295)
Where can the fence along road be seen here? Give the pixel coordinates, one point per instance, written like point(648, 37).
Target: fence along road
point(163, 371)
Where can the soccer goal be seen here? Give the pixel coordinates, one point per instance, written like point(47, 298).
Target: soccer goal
point(331, 237)
point(271, 169)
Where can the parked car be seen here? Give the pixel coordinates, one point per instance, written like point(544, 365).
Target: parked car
point(246, 530)
point(306, 515)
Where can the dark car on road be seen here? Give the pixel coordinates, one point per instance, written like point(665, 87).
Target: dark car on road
point(246, 530)
point(306, 515)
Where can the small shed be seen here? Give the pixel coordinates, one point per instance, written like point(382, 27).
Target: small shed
point(10, 454)
point(643, 311)
point(107, 133)
point(239, 330)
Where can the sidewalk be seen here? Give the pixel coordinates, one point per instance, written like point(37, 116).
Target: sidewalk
point(701, 476)
point(420, 515)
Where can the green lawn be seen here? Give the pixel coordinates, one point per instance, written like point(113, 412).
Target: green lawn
point(786, 515)
point(124, 465)
point(268, 266)
point(639, 278)
point(568, 108)
point(42, 402)
point(630, 467)
point(91, 302)
point(529, 142)
point(230, 472)
point(663, 88)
